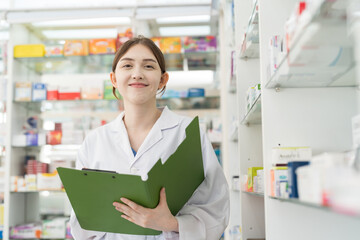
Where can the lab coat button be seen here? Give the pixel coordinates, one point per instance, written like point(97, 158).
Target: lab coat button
point(134, 170)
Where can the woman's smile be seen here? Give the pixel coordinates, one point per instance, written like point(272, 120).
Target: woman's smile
point(138, 85)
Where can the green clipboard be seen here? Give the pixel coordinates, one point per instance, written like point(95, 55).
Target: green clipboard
point(91, 193)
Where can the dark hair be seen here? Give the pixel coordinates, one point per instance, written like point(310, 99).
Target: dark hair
point(147, 43)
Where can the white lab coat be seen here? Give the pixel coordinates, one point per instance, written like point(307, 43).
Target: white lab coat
point(206, 214)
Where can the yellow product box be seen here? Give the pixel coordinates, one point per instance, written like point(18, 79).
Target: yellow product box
point(1, 214)
point(168, 44)
point(102, 46)
point(29, 50)
point(251, 174)
point(171, 45)
point(76, 48)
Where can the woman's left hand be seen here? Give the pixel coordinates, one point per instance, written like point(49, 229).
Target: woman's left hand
point(159, 218)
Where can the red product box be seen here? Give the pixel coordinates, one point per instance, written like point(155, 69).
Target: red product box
point(69, 93)
point(53, 137)
point(52, 95)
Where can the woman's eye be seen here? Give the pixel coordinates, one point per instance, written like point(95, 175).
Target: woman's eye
point(126, 66)
point(149, 66)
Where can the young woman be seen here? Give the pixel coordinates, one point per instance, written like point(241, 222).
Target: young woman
point(137, 138)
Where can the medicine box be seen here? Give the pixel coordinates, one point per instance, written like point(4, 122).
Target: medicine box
point(251, 174)
point(283, 155)
point(27, 231)
point(69, 93)
point(102, 46)
point(48, 181)
point(196, 92)
point(52, 92)
point(292, 177)
point(29, 50)
point(91, 92)
point(38, 91)
point(108, 91)
point(23, 91)
point(199, 44)
point(278, 176)
point(54, 51)
point(76, 48)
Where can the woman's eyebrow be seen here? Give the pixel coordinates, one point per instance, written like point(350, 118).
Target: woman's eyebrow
point(149, 60)
point(126, 59)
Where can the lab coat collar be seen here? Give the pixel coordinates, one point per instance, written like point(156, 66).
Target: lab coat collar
point(167, 120)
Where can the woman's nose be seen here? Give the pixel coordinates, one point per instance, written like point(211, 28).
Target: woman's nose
point(137, 74)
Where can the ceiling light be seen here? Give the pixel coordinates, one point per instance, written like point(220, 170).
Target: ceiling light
point(184, 19)
point(80, 33)
point(85, 22)
point(185, 31)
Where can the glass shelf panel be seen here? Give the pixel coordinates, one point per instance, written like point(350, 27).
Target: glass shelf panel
point(312, 205)
point(103, 63)
point(253, 116)
point(250, 45)
point(254, 194)
point(321, 54)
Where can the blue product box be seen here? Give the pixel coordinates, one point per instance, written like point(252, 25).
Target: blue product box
point(292, 177)
point(31, 139)
point(38, 91)
point(196, 92)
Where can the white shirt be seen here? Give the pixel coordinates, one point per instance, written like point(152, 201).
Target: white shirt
point(206, 214)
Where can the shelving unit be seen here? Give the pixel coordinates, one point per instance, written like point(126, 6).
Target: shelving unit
point(253, 116)
point(23, 207)
point(309, 101)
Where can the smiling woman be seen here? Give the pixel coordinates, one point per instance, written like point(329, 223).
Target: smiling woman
point(138, 138)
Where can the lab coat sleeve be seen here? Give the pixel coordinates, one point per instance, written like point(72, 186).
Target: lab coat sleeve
point(77, 232)
point(206, 214)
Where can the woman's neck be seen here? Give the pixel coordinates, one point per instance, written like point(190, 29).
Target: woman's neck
point(140, 118)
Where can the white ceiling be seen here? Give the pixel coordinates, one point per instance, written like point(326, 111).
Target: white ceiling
point(49, 18)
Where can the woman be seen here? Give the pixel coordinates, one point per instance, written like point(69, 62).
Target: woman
point(137, 138)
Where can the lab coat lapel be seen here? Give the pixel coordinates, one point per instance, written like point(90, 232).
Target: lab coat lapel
point(166, 120)
point(122, 138)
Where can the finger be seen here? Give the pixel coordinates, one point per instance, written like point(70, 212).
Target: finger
point(137, 208)
point(124, 209)
point(128, 218)
point(162, 197)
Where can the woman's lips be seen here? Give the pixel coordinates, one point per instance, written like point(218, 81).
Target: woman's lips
point(138, 85)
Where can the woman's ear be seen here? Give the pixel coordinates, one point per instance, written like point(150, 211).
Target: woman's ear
point(164, 79)
point(113, 79)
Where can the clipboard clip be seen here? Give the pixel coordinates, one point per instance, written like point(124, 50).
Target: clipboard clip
point(97, 170)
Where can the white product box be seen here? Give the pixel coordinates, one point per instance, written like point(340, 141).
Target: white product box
point(309, 184)
point(54, 228)
point(23, 91)
point(282, 155)
point(30, 182)
point(48, 181)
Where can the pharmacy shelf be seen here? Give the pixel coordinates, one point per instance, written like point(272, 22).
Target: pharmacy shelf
point(253, 116)
point(251, 50)
point(250, 47)
point(316, 58)
point(103, 63)
point(101, 105)
point(316, 206)
point(41, 191)
point(253, 194)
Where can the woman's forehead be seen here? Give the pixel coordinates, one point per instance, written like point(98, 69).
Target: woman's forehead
point(139, 51)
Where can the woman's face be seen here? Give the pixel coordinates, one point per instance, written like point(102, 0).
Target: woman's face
point(138, 76)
